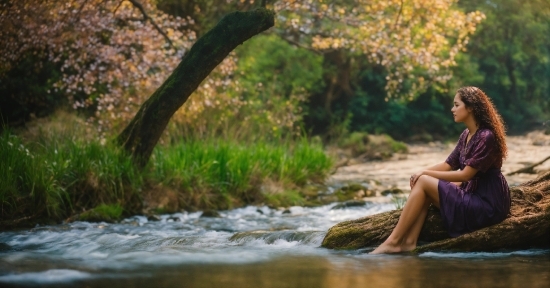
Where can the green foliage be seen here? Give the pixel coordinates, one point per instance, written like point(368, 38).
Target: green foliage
point(271, 67)
point(103, 212)
point(284, 199)
point(508, 58)
point(28, 89)
point(216, 174)
point(512, 51)
point(56, 173)
point(399, 201)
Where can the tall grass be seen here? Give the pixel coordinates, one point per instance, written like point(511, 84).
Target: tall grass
point(229, 173)
point(56, 175)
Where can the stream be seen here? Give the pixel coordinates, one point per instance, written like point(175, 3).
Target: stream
point(266, 247)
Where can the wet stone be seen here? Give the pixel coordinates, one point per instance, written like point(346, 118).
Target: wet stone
point(392, 191)
point(5, 247)
point(287, 211)
point(210, 214)
point(175, 219)
point(351, 203)
point(153, 218)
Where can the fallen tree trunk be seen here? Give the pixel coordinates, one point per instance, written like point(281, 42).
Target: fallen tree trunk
point(527, 227)
point(529, 169)
point(142, 134)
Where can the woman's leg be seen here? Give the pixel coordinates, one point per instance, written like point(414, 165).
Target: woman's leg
point(411, 237)
point(413, 215)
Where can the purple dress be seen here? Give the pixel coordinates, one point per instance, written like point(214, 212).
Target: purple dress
point(485, 199)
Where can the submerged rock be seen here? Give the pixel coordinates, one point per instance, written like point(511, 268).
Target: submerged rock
point(153, 218)
point(351, 203)
point(211, 214)
point(353, 191)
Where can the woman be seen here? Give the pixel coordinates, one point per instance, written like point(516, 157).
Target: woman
point(468, 187)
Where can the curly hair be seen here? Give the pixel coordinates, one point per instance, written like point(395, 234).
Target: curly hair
point(485, 114)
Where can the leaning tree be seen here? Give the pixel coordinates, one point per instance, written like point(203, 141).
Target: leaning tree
point(142, 134)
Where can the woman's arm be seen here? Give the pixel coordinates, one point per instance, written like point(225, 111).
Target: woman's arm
point(451, 176)
point(443, 166)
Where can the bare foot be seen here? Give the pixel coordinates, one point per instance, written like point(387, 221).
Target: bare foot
point(387, 248)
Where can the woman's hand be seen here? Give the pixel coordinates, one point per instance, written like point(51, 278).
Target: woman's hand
point(414, 178)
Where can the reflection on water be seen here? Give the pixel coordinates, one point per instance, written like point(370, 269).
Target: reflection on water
point(248, 247)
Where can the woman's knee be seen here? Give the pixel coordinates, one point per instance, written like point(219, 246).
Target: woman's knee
point(428, 185)
point(427, 181)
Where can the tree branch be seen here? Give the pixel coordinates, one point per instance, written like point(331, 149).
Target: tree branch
point(529, 169)
point(147, 17)
point(297, 44)
point(398, 15)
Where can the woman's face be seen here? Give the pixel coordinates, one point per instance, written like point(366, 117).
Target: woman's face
point(460, 111)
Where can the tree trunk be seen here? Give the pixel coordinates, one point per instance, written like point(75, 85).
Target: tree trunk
point(142, 134)
point(527, 227)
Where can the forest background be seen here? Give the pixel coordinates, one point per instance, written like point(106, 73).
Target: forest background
point(327, 69)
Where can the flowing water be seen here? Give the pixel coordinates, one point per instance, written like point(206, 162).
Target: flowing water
point(247, 247)
point(250, 247)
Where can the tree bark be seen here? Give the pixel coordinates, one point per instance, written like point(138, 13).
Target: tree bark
point(142, 134)
point(527, 227)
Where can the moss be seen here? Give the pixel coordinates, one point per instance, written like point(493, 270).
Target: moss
point(284, 199)
point(350, 192)
point(103, 213)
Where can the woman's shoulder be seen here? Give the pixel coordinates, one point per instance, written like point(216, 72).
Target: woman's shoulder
point(486, 135)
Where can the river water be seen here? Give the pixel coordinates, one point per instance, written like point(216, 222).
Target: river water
point(252, 247)
point(246, 247)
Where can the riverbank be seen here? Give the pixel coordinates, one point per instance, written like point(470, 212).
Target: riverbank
point(55, 177)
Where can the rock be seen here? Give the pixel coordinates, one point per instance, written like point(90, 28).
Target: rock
point(153, 218)
point(5, 247)
point(260, 211)
point(351, 203)
point(287, 211)
point(351, 191)
point(369, 193)
point(211, 214)
point(392, 191)
point(421, 137)
point(173, 218)
point(527, 227)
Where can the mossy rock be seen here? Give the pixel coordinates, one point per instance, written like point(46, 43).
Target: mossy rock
point(210, 214)
point(392, 191)
point(102, 213)
point(353, 191)
point(372, 147)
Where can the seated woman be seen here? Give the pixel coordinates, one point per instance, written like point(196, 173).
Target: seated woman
point(468, 188)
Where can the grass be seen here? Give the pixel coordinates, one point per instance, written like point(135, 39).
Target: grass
point(57, 175)
point(226, 174)
point(399, 201)
point(62, 176)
